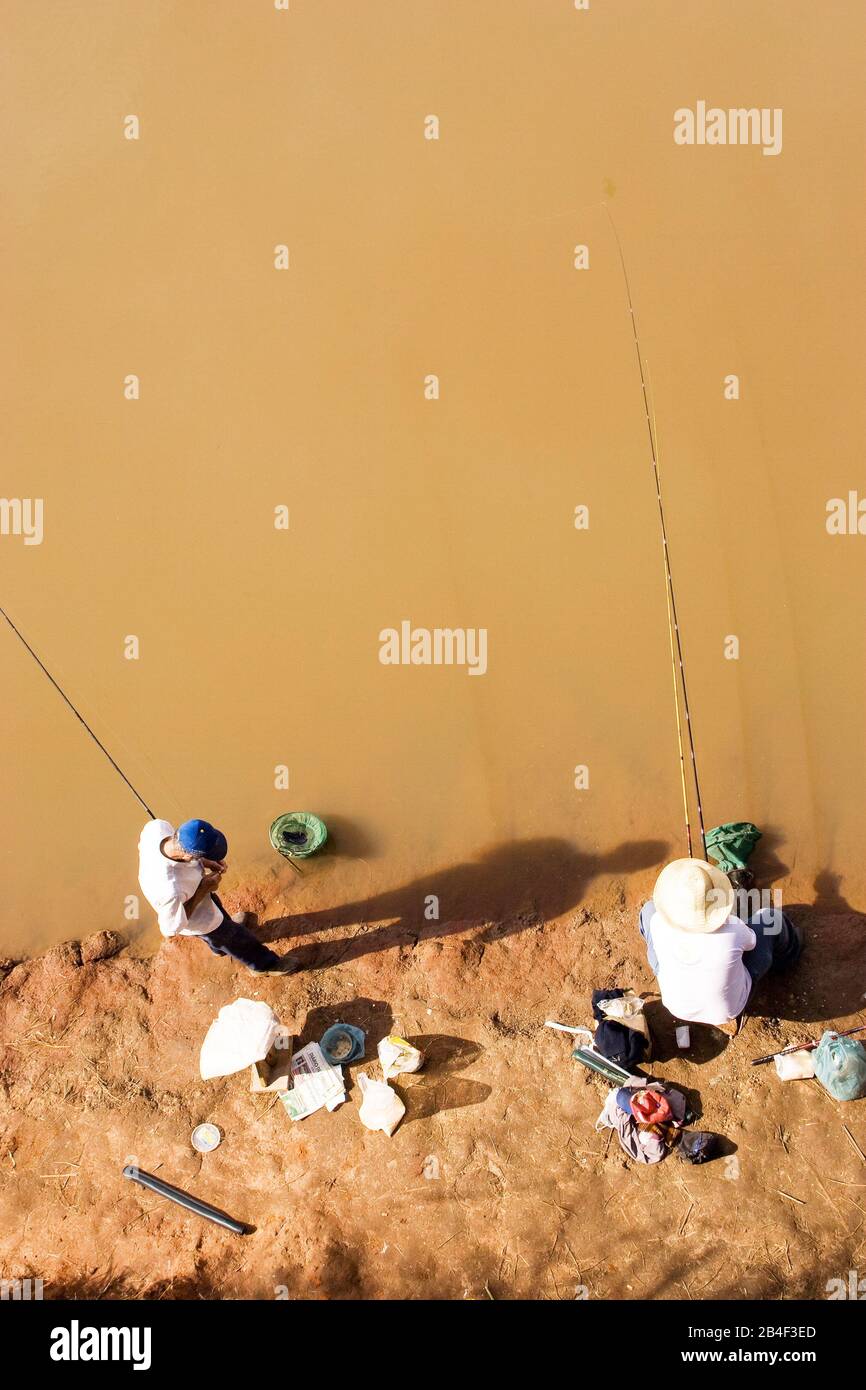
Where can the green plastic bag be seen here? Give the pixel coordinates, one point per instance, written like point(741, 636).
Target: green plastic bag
point(730, 845)
point(840, 1066)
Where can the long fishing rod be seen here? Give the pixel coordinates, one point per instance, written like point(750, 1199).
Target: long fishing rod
point(78, 716)
point(810, 1046)
point(673, 622)
point(674, 673)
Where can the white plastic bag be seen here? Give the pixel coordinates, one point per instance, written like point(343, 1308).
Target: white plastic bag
point(795, 1065)
point(381, 1108)
point(397, 1055)
point(625, 1007)
point(242, 1033)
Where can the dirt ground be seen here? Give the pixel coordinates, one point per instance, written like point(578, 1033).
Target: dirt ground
point(524, 1200)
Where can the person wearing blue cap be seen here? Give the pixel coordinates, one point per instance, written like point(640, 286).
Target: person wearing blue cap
point(179, 871)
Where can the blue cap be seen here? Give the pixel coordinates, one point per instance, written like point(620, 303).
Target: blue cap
point(200, 837)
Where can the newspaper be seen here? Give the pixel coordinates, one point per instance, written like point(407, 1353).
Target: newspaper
point(315, 1083)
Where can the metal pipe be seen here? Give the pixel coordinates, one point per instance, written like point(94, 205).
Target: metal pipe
point(184, 1199)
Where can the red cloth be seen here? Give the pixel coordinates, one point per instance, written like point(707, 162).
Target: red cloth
point(650, 1108)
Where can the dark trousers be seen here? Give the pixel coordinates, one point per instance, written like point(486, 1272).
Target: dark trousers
point(779, 943)
point(231, 939)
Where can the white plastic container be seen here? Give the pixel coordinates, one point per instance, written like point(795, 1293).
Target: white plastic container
point(205, 1138)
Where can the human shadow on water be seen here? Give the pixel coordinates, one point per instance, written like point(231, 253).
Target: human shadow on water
point(509, 888)
point(827, 895)
point(765, 863)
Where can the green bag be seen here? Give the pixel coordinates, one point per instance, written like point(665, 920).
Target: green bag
point(840, 1066)
point(730, 845)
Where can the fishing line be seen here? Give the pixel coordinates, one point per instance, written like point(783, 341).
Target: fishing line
point(78, 716)
point(673, 622)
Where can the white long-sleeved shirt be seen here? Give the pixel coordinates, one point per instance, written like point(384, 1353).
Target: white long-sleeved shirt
point(701, 975)
point(169, 883)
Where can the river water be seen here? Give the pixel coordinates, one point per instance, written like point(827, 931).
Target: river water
point(258, 648)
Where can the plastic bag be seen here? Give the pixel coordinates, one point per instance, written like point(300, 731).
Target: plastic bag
point(731, 845)
point(381, 1108)
point(397, 1055)
point(624, 1007)
point(698, 1146)
point(242, 1033)
point(840, 1066)
point(793, 1065)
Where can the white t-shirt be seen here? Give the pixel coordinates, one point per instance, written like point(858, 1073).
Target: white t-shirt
point(169, 883)
point(701, 974)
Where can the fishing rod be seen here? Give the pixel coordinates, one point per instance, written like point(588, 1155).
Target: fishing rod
point(673, 621)
point(804, 1047)
point(674, 677)
point(78, 716)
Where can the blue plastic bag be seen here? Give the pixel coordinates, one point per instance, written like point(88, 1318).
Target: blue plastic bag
point(840, 1066)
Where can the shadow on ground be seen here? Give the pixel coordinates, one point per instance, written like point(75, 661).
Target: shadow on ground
point(508, 889)
point(373, 1016)
point(829, 978)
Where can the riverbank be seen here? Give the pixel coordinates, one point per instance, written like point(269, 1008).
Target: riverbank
point(496, 1184)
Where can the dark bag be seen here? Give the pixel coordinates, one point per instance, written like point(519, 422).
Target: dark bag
point(698, 1146)
point(625, 1046)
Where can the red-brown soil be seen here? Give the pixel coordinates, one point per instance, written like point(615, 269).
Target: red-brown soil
point(100, 1065)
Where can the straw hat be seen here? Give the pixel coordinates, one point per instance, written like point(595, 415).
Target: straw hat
point(693, 896)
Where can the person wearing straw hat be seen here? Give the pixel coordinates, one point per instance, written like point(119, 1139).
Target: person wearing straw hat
point(705, 958)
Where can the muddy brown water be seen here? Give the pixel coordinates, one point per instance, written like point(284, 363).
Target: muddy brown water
point(305, 388)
